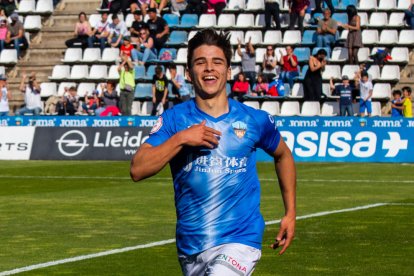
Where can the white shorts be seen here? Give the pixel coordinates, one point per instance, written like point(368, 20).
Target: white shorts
point(226, 259)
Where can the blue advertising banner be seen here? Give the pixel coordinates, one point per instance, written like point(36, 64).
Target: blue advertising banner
point(311, 139)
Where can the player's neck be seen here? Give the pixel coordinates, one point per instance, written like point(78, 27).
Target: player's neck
point(214, 107)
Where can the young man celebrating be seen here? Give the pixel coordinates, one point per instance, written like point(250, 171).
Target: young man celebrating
point(210, 143)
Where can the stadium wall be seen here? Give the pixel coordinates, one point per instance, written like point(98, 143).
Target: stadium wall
point(312, 139)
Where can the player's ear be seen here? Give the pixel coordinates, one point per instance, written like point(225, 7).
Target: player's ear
point(229, 73)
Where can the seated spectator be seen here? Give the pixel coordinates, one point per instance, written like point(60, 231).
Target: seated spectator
point(5, 97)
point(100, 32)
point(126, 47)
point(145, 49)
point(110, 100)
point(81, 33)
point(344, 91)
point(248, 61)
point(240, 87)
point(354, 38)
point(69, 103)
point(158, 28)
point(142, 5)
point(3, 33)
point(409, 15)
point(269, 64)
point(396, 104)
point(272, 9)
point(136, 27)
point(297, 11)
point(127, 85)
point(8, 6)
point(261, 86)
point(159, 90)
point(290, 68)
point(215, 6)
point(117, 30)
point(179, 86)
point(15, 34)
point(178, 6)
point(91, 103)
point(326, 32)
point(32, 100)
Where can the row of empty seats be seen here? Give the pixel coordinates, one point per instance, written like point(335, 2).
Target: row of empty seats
point(35, 7)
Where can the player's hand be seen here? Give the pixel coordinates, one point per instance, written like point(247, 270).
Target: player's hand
point(201, 135)
point(286, 233)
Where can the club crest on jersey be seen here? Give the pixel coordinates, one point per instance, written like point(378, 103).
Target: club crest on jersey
point(157, 125)
point(239, 128)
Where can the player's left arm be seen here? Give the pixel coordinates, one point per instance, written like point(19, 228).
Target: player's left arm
point(286, 174)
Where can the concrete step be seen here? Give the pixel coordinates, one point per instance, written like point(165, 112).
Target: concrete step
point(42, 57)
point(61, 21)
point(77, 5)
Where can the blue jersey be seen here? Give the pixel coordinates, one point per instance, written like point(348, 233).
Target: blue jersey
point(217, 191)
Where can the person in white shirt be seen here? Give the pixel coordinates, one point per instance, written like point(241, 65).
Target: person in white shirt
point(5, 97)
point(365, 90)
point(100, 32)
point(33, 102)
point(117, 30)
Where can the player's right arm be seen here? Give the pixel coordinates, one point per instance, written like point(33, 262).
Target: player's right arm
point(149, 160)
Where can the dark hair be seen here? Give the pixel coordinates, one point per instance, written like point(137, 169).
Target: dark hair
point(173, 66)
point(321, 52)
point(241, 74)
point(72, 88)
point(158, 69)
point(114, 16)
point(407, 88)
point(396, 92)
point(84, 14)
point(212, 38)
point(111, 83)
point(364, 74)
point(351, 10)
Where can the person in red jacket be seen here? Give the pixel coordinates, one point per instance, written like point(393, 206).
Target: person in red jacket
point(240, 87)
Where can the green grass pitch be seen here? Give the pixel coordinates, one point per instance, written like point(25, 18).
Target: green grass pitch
point(56, 210)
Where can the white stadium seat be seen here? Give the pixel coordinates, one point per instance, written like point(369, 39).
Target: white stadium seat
point(94, 19)
point(235, 5)
point(333, 71)
point(389, 37)
point(129, 20)
point(363, 18)
point(376, 109)
point(273, 108)
point(256, 37)
point(245, 20)
point(182, 55)
point(79, 72)
point(260, 20)
point(72, 55)
point(311, 109)
point(136, 108)
point(406, 37)
point(381, 91)
point(85, 88)
point(367, 5)
point(296, 91)
point(226, 20)
point(44, 6)
point(60, 72)
point(292, 37)
point(48, 89)
point(339, 54)
point(32, 23)
point(363, 54)
point(387, 4)
point(191, 35)
point(91, 55)
point(330, 109)
point(255, 5)
point(349, 70)
point(2, 70)
point(146, 108)
point(235, 36)
point(254, 104)
point(390, 73)
point(235, 70)
point(403, 4)
point(8, 56)
point(289, 109)
point(370, 37)
point(272, 37)
point(399, 54)
point(26, 6)
point(396, 19)
point(207, 20)
point(110, 55)
point(64, 85)
point(98, 72)
point(374, 72)
point(378, 19)
point(113, 73)
point(259, 52)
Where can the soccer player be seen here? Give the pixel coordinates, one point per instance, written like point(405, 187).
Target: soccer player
point(210, 143)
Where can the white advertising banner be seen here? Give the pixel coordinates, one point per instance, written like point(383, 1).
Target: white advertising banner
point(16, 142)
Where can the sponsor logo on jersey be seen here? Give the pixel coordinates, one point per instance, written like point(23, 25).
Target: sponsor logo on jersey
point(157, 125)
point(239, 128)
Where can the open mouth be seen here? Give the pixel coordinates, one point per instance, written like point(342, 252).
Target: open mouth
point(210, 79)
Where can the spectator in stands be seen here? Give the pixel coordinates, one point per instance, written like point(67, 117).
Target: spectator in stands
point(318, 6)
point(69, 103)
point(158, 28)
point(127, 85)
point(50, 105)
point(179, 87)
point(297, 10)
point(195, 7)
point(365, 90)
point(248, 61)
point(126, 47)
point(290, 68)
point(15, 34)
point(100, 32)
point(110, 99)
point(381, 57)
point(159, 90)
point(141, 5)
point(272, 9)
point(326, 31)
point(240, 87)
point(396, 104)
point(32, 100)
point(81, 33)
point(117, 31)
point(9, 6)
point(261, 86)
point(160, 5)
point(91, 103)
point(145, 49)
point(136, 27)
point(215, 6)
point(178, 6)
point(407, 106)
point(3, 33)
point(409, 15)
point(354, 38)
point(312, 84)
point(3, 13)
point(5, 97)
point(269, 65)
point(344, 91)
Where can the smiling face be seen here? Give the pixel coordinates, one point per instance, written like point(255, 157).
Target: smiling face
point(209, 71)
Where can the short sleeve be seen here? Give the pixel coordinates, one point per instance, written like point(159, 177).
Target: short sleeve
point(269, 134)
point(153, 79)
point(161, 131)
